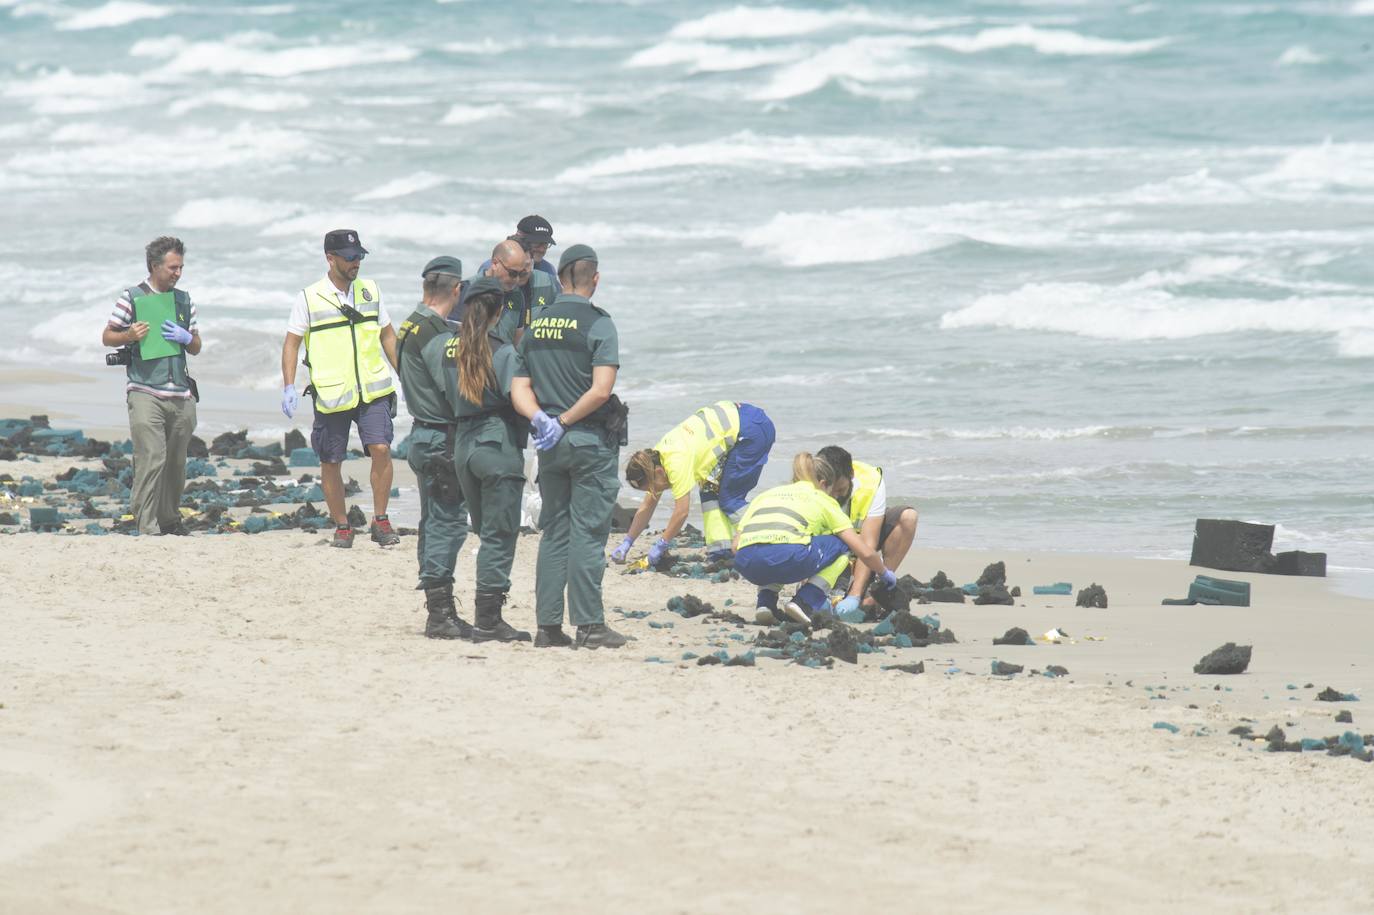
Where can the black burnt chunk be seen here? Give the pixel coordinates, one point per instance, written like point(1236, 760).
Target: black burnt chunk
point(1296, 562)
point(940, 582)
point(1003, 669)
point(945, 596)
point(1014, 636)
point(994, 594)
point(227, 444)
point(292, 440)
point(905, 623)
point(1331, 695)
point(356, 518)
point(1228, 659)
point(843, 643)
point(197, 448)
point(1233, 546)
point(1094, 595)
point(994, 574)
point(1344, 717)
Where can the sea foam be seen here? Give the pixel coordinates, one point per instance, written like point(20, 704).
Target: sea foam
point(1042, 41)
point(114, 13)
point(784, 22)
point(255, 54)
point(706, 57)
point(401, 187)
point(210, 212)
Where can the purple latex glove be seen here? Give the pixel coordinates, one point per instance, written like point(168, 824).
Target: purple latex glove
point(657, 550)
point(888, 580)
point(174, 332)
point(289, 401)
point(622, 552)
point(547, 431)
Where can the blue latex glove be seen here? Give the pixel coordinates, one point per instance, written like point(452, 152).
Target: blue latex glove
point(657, 550)
point(547, 431)
point(289, 400)
point(888, 580)
point(620, 553)
point(847, 605)
point(173, 331)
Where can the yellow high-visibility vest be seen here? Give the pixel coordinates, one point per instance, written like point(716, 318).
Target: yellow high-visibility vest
point(790, 514)
point(866, 480)
point(347, 363)
point(691, 452)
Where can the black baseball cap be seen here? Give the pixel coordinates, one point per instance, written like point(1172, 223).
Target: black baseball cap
point(343, 242)
point(536, 230)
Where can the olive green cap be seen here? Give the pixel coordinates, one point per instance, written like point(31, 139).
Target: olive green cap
point(482, 285)
point(577, 253)
point(451, 266)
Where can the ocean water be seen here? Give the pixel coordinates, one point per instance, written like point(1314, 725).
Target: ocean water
point(1073, 273)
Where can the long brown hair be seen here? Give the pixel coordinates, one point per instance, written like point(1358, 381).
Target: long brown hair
point(639, 470)
point(474, 348)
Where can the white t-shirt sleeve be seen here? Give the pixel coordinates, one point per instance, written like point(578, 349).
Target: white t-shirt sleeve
point(383, 318)
point(879, 506)
point(299, 322)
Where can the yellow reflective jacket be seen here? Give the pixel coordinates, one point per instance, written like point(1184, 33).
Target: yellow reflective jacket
point(691, 452)
point(347, 363)
point(790, 514)
point(866, 480)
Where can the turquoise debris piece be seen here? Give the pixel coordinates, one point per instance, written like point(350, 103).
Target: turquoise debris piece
point(902, 640)
point(852, 616)
point(1165, 726)
point(689, 656)
point(883, 628)
point(657, 625)
point(1059, 587)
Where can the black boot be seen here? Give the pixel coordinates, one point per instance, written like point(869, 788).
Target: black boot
point(599, 635)
point(552, 637)
point(490, 627)
point(444, 621)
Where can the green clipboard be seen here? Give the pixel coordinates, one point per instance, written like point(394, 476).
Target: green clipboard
point(154, 309)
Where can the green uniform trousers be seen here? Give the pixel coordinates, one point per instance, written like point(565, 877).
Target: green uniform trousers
point(491, 471)
point(443, 517)
point(161, 431)
point(578, 486)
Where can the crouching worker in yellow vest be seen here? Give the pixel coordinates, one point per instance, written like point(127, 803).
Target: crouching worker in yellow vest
point(350, 348)
point(798, 534)
point(889, 529)
point(721, 449)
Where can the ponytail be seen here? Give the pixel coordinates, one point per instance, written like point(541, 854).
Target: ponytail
point(474, 348)
point(815, 470)
point(641, 467)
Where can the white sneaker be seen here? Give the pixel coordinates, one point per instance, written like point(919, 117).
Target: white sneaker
point(796, 613)
point(764, 617)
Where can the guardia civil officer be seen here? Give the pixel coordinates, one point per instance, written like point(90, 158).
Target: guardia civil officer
point(349, 342)
point(425, 352)
point(490, 457)
point(563, 384)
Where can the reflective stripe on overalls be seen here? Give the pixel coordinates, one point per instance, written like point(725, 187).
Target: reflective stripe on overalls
point(720, 422)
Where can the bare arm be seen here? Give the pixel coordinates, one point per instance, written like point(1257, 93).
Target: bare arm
point(868, 533)
point(865, 553)
point(113, 336)
point(389, 344)
point(603, 382)
point(680, 508)
point(642, 516)
point(290, 354)
point(522, 397)
point(194, 346)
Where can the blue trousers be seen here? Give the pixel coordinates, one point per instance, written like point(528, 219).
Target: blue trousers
point(744, 462)
point(773, 565)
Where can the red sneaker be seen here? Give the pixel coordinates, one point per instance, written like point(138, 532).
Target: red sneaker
point(343, 538)
point(382, 532)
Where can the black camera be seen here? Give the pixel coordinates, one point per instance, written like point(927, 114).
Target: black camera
point(120, 356)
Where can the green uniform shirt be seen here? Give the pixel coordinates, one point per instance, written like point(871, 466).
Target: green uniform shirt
point(523, 301)
point(426, 349)
point(564, 342)
point(503, 361)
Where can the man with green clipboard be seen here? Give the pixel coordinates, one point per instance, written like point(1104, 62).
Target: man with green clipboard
point(160, 394)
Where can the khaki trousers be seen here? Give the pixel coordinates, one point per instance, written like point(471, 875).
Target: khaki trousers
point(161, 431)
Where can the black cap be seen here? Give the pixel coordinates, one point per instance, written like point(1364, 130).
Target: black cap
point(576, 253)
point(536, 230)
point(450, 266)
point(343, 242)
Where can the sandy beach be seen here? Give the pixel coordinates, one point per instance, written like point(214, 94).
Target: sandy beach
point(231, 723)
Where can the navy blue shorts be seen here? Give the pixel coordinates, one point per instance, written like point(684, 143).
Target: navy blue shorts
point(329, 435)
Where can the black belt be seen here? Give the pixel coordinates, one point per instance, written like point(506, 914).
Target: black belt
point(473, 417)
point(436, 427)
